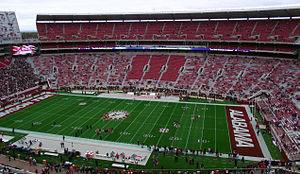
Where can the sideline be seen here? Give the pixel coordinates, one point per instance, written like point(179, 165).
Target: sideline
point(135, 154)
point(129, 97)
point(93, 142)
point(261, 140)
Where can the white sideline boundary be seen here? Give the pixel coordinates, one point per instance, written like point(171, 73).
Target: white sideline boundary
point(171, 99)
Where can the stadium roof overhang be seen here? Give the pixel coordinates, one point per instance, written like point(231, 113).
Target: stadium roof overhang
point(258, 13)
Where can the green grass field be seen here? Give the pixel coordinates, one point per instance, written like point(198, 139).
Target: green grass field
point(143, 123)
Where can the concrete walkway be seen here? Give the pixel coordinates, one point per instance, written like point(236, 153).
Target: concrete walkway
point(23, 165)
point(87, 142)
point(102, 150)
point(52, 143)
point(261, 141)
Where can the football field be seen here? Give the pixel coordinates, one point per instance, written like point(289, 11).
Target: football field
point(185, 125)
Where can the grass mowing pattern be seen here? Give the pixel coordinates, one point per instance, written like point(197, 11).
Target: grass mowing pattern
point(143, 124)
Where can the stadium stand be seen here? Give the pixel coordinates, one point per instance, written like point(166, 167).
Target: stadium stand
point(9, 29)
point(226, 76)
point(223, 75)
point(155, 67)
point(283, 30)
point(16, 75)
point(138, 67)
point(211, 75)
point(172, 68)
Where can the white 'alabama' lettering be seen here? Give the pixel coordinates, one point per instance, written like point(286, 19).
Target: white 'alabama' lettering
point(241, 132)
point(23, 105)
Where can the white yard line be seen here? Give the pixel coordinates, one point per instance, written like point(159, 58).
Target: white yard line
point(63, 115)
point(215, 128)
point(45, 108)
point(97, 113)
point(41, 115)
point(82, 116)
point(136, 118)
point(203, 127)
point(160, 115)
point(109, 120)
point(190, 128)
point(120, 122)
point(177, 129)
point(137, 131)
point(161, 135)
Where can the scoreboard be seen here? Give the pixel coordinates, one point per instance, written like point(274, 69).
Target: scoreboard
point(23, 50)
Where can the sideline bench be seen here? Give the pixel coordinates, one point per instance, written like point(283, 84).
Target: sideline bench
point(51, 154)
point(117, 165)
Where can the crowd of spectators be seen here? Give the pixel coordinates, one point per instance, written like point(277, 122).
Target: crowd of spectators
point(225, 76)
point(16, 76)
point(283, 30)
point(9, 29)
point(236, 77)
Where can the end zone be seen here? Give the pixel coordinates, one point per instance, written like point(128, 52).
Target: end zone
point(24, 104)
point(242, 136)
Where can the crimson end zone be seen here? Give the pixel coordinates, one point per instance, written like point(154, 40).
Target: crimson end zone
point(242, 136)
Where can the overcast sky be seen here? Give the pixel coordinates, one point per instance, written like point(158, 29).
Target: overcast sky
point(27, 10)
